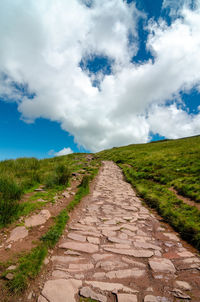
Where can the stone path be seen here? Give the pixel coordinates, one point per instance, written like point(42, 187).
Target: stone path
point(118, 251)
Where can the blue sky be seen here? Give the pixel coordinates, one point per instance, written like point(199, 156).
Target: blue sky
point(124, 72)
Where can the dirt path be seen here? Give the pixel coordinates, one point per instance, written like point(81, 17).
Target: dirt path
point(116, 250)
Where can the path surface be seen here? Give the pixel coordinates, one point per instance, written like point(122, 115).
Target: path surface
point(118, 251)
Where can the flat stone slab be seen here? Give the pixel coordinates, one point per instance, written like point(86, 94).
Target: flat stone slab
point(87, 292)
point(76, 237)
point(126, 273)
point(65, 259)
point(163, 265)
point(150, 298)
point(111, 287)
point(73, 267)
point(17, 234)
point(146, 245)
point(82, 247)
point(126, 298)
point(61, 289)
point(131, 252)
point(110, 265)
point(183, 285)
point(38, 219)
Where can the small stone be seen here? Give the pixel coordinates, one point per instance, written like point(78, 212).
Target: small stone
point(126, 298)
point(183, 285)
point(10, 276)
point(11, 267)
point(150, 298)
point(8, 246)
point(87, 292)
point(30, 295)
point(179, 294)
point(162, 265)
point(46, 261)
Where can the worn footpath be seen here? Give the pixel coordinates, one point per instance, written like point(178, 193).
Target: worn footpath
point(117, 250)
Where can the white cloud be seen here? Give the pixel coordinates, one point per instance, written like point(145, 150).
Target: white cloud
point(43, 42)
point(64, 151)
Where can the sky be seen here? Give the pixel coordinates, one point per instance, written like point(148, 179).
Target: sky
point(87, 75)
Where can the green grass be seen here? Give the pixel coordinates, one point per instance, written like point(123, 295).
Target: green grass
point(23, 175)
point(81, 299)
point(154, 168)
point(30, 264)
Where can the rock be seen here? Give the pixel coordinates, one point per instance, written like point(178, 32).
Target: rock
point(80, 267)
point(46, 261)
point(171, 236)
point(126, 298)
point(66, 194)
point(98, 257)
point(60, 274)
point(11, 267)
point(145, 245)
point(77, 237)
point(61, 289)
point(8, 246)
point(30, 295)
point(65, 259)
point(185, 254)
point(118, 240)
point(93, 240)
point(38, 219)
point(110, 265)
point(9, 276)
point(161, 265)
point(131, 252)
point(87, 292)
point(82, 247)
point(112, 287)
point(150, 298)
point(99, 275)
point(42, 299)
point(179, 294)
point(183, 285)
point(134, 263)
point(127, 273)
point(72, 253)
point(131, 228)
point(17, 234)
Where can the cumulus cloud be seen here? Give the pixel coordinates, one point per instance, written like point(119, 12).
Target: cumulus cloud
point(64, 151)
point(43, 43)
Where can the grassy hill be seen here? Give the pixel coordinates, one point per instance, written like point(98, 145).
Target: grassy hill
point(155, 168)
point(23, 175)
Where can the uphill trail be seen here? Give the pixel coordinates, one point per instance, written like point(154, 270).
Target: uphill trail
point(115, 249)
